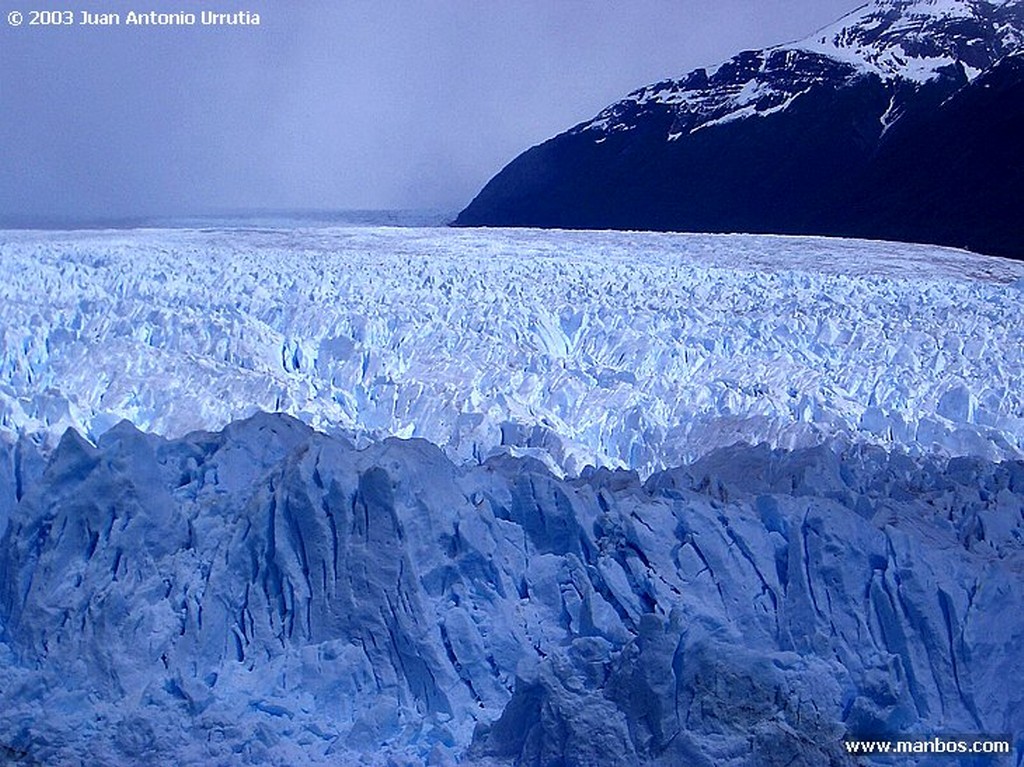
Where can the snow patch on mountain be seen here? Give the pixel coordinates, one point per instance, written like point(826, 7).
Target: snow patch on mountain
point(918, 40)
point(752, 83)
point(909, 42)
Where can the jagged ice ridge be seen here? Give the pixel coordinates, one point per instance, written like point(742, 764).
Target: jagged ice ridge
point(271, 595)
point(618, 349)
point(259, 592)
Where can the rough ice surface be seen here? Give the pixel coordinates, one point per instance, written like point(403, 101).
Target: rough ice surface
point(841, 555)
point(272, 595)
point(624, 350)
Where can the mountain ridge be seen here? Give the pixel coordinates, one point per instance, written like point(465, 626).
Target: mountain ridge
point(773, 141)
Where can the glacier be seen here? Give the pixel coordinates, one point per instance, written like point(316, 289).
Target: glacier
point(269, 594)
point(490, 497)
point(624, 350)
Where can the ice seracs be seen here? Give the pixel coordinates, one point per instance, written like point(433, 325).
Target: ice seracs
point(270, 595)
point(259, 592)
point(617, 349)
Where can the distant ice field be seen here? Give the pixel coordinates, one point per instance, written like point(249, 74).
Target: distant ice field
point(635, 350)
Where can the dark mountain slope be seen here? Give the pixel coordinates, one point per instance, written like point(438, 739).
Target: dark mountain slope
point(902, 121)
point(954, 176)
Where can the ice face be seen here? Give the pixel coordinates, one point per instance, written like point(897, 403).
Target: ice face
point(271, 595)
point(260, 592)
point(624, 350)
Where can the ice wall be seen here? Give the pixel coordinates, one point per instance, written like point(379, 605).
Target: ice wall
point(270, 595)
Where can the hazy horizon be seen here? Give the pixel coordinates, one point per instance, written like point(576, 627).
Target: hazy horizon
point(334, 107)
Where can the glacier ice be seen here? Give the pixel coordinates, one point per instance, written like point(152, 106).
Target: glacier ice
point(268, 594)
point(619, 349)
point(534, 498)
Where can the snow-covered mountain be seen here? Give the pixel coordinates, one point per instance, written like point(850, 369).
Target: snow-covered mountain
point(922, 40)
point(904, 43)
point(794, 138)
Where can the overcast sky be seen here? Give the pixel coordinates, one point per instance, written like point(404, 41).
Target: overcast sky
point(333, 104)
